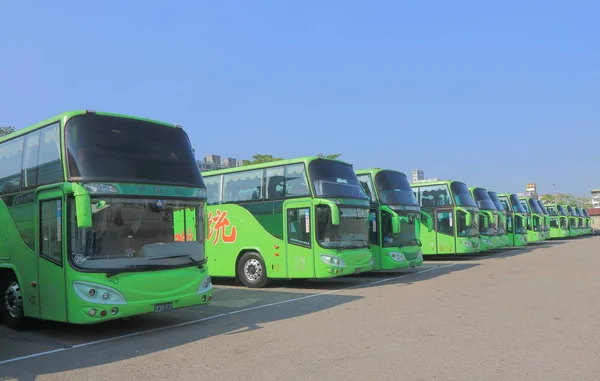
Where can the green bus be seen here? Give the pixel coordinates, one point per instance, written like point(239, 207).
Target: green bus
point(574, 230)
point(101, 218)
point(534, 219)
point(501, 222)
point(559, 225)
point(516, 219)
point(545, 218)
point(588, 221)
point(454, 212)
point(394, 219)
point(488, 214)
point(582, 222)
point(301, 218)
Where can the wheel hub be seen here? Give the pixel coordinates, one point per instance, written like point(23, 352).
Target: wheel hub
point(13, 301)
point(253, 269)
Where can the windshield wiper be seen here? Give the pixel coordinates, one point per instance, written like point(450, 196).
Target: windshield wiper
point(131, 267)
point(200, 263)
point(366, 245)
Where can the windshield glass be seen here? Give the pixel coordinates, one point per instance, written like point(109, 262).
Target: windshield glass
point(517, 205)
point(130, 232)
point(407, 235)
point(394, 189)
point(571, 211)
point(552, 210)
point(108, 148)
point(491, 230)
point(462, 228)
point(461, 194)
point(542, 207)
point(351, 233)
point(561, 210)
point(505, 202)
point(585, 213)
point(335, 179)
point(519, 226)
point(483, 200)
point(496, 200)
point(534, 206)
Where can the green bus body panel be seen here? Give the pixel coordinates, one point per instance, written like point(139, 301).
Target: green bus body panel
point(234, 230)
point(383, 257)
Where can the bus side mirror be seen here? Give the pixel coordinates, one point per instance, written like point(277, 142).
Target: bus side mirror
point(429, 220)
point(468, 218)
point(395, 219)
point(335, 211)
point(83, 207)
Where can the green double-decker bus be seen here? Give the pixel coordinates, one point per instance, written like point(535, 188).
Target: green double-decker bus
point(101, 217)
point(488, 215)
point(516, 219)
point(394, 219)
point(454, 213)
point(534, 219)
point(559, 225)
point(545, 219)
point(290, 219)
point(501, 222)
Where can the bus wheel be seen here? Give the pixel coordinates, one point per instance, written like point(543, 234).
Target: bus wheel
point(251, 270)
point(12, 303)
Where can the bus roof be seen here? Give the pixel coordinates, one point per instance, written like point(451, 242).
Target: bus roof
point(69, 114)
point(305, 159)
point(376, 170)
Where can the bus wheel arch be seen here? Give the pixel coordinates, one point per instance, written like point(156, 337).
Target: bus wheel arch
point(12, 311)
point(250, 269)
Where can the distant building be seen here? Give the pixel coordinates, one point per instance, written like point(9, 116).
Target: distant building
point(595, 198)
point(417, 175)
point(532, 190)
point(214, 162)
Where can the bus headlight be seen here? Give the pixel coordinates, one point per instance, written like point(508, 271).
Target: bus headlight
point(98, 293)
point(468, 244)
point(487, 242)
point(332, 260)
point(205, 285)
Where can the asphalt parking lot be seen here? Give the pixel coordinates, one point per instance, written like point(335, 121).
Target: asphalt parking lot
point(513, 315)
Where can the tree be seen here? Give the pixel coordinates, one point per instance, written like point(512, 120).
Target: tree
point(566, 199)
point(330, 156)
point(7, 130)
point(262, 158)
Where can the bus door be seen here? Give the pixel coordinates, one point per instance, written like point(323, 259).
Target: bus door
point(444, 227)
point(298, 234)
point(51, 254)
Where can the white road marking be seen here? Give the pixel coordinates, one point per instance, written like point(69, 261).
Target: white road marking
point(39, 354)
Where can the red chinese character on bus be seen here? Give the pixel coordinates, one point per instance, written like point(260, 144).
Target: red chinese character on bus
point(217, 225)
point(181, 237)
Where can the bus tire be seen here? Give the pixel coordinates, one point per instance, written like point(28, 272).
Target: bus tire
point(251, 270)
point(12, 303)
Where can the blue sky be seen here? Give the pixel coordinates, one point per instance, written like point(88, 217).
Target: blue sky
point(460, 89)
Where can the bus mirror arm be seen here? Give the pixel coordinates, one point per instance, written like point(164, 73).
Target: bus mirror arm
point(395, 218)
point(83, 206)
point(429, 220)
point(335, 211)
point(468, 219)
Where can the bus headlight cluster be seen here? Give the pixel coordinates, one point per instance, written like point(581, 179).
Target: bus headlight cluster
point(487, 241)
point(205, 285)
point(98, 293)
point(468, 244)
point(397, 256)
point(332, 260)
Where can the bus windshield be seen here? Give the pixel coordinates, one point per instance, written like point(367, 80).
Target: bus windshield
point(407, 235)
point(394, 189)
point(561, 210)
point(462, 228)
point(335, 179)
point(110, 148)
point(571, 211)
point(461, 194)
point(516, 203)
point(351, 233)
point(585, 213)
point(483, 199)
point(505, 203)
point(534, 206)
point(129, 233)
point(542, 207)
point(496, 200)
point(552, 210)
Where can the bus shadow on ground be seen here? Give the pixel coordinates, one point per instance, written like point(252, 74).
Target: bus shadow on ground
point(241, 310)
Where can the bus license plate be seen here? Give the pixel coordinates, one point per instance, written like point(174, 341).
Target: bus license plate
point(163, 307)
point(358, 270)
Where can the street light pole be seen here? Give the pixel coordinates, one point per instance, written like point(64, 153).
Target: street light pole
point(555, 194)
